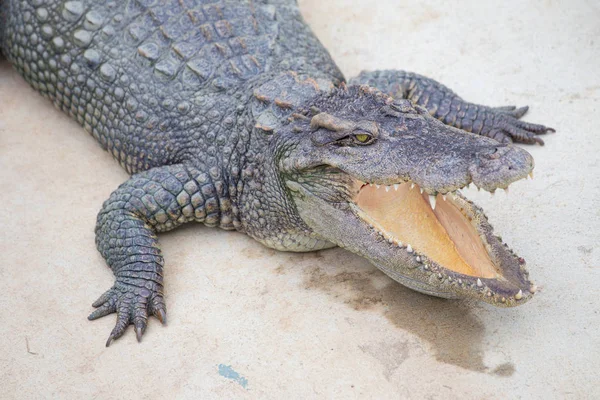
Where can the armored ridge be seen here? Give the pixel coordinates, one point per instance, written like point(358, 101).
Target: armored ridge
point(234, 115)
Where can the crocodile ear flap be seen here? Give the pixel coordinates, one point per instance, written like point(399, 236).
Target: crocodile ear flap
point(324, 136)
point(333, 130)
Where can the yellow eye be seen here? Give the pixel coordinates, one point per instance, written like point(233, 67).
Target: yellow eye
point(362, 138)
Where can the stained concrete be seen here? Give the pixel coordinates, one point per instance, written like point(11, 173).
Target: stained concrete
point(249, 322)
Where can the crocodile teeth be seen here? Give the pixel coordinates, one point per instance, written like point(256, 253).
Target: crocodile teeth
point(432, 201)
point(377, 186)
point(387, 188)
point(396, 186)
point(479, 283)
point(421, 190)
point(533, 288)
point(444, 197)
point(409, 248)
point(412, 186)
point(399, 243)
point(519, 295)
point(370, 184)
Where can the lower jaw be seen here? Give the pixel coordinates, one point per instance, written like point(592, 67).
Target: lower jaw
point(434, 282)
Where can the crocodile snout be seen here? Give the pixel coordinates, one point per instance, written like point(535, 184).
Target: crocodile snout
point(499, 166)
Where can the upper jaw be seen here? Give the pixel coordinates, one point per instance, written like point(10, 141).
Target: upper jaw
point(440, 167)
point(486, 173)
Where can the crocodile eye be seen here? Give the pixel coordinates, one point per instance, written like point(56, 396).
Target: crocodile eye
point(362, 138)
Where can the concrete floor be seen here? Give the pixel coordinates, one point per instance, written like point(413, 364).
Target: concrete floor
point(249, 322)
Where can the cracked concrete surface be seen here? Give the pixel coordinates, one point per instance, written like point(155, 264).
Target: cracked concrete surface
point(249, 322)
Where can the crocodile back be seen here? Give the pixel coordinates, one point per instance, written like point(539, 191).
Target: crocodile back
point(159, 81)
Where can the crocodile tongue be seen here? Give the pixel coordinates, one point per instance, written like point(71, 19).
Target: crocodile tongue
point(439, 228)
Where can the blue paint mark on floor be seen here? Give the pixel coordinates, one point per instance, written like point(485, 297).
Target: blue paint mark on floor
point(227, 372)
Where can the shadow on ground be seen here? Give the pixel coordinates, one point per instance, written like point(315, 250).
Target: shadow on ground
point(455, 334)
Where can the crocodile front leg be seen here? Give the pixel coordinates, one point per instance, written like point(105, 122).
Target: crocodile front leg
point(153, 201)
point(500, 123)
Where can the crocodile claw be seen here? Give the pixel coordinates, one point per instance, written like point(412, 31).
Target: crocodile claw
point(507, 128)
point(161, 315)
point(139, 333)
point(133, 304)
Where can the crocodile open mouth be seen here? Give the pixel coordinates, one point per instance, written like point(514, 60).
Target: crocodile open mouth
point(443, 228)
point(441, 244)
point(445, 244)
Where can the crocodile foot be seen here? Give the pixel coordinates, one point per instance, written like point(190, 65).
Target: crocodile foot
point(132, 302)
point(506, 126)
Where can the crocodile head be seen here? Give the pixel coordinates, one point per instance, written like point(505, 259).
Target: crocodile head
point(381, 178)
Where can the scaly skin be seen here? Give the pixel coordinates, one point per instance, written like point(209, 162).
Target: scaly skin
point(233, 114)
point(500, 123)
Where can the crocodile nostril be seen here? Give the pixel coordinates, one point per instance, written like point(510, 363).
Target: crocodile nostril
point(496, 152)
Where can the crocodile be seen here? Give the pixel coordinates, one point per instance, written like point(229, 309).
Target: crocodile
point(234, 115)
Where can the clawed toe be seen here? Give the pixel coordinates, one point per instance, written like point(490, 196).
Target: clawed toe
point(519, 112)
point(500, 136)
point(505, 108)
point(513, 111)
point(102, 311)
point(140, 328)
point(535, 128)
point(161, 314)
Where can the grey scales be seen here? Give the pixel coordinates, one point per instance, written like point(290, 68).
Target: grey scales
point(233, 114)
